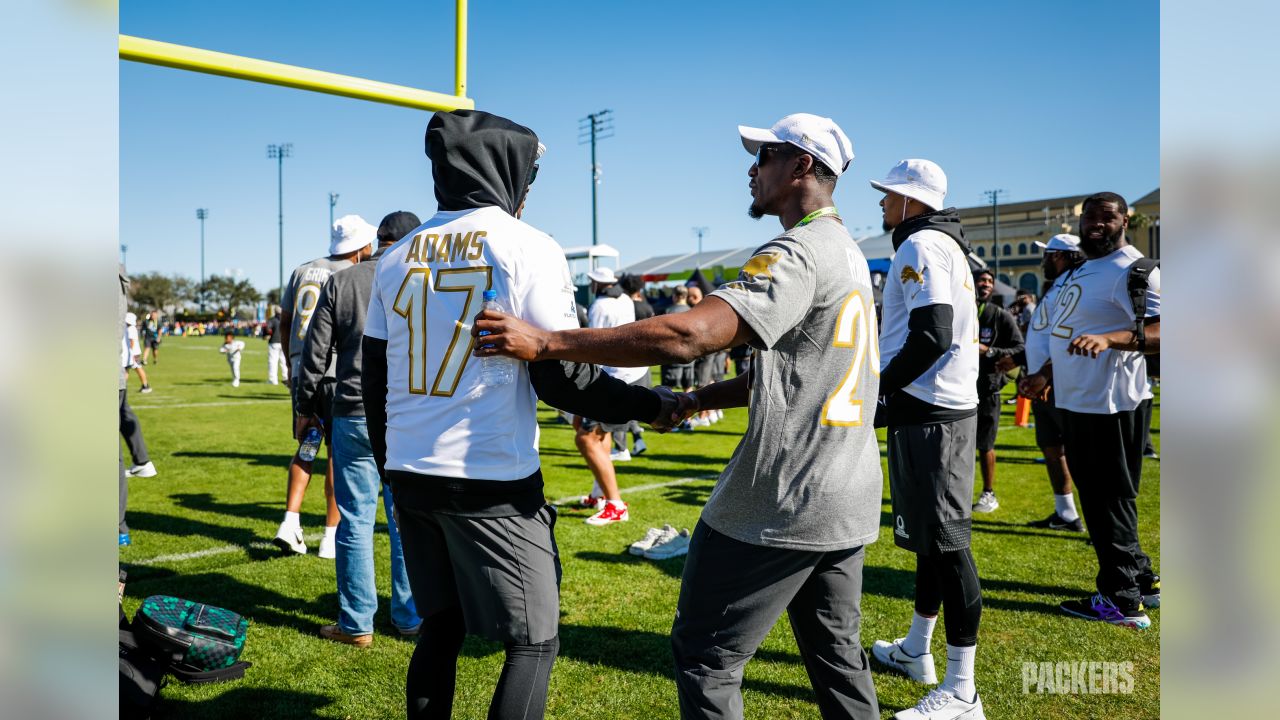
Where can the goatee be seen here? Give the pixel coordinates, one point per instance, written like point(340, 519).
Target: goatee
point(755, 212)
point(1099, 248)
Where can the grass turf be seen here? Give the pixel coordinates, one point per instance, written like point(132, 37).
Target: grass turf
point(201, 526)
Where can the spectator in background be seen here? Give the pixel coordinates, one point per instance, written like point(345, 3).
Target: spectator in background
point(337, 331)
point(129, 426)
point(151, 337)
point(277, 368)
point(633, 285)
point(135, 350)
point(679, 376)
point(1024, 309)
point(704, 367)
point(612, 307)
point(998, 338)
point(233, 348)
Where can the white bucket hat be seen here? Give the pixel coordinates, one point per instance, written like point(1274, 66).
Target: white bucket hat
point(350, 233)
point(816, 135)
point(602, 275)
point(1062, 242)
point(919, 180)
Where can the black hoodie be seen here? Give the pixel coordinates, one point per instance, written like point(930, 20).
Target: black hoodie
point(944, 221)
point(480, 160)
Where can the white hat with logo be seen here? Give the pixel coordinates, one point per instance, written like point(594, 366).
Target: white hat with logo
point(816, 135)
point(349, 234)
point(1062, 242)
point(920, 180)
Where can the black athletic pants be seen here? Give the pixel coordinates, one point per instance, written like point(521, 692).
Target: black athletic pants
point(1104, 454)
point(132, 432)
point(731, 596)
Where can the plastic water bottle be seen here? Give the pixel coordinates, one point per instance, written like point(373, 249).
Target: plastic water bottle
point(495, 370)
point(310, 444)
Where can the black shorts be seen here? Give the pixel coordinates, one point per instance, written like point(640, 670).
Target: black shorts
point(324, 406)
point(153, 342)
point(931, 485)
point(988, 421)
point(677, 376)
point(1048, 424)
point(704, 370)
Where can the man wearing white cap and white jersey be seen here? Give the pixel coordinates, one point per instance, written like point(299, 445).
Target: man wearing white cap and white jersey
point(786, 525)
point(612, 307)
point(929, 400)
point(351, 240)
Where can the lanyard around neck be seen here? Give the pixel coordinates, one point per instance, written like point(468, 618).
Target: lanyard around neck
point(820, 212)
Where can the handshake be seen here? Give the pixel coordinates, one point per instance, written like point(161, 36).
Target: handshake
point(675, 408)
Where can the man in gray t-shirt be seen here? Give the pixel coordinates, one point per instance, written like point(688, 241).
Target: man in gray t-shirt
point(787, 523)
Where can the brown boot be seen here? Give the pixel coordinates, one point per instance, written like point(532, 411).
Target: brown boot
point(335, 633)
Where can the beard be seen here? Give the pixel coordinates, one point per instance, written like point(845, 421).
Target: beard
point(755, 212)
point(1100, 247)
point(884, 225)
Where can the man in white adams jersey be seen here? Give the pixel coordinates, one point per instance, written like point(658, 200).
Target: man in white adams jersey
point(928, 385)
point(351, 240)
point(1095, 348)
point(462, 456)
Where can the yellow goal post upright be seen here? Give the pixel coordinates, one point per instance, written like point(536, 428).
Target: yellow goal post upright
point(182, 57)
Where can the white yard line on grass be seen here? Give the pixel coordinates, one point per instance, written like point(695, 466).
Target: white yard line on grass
point(225, 549)
point(207, 404)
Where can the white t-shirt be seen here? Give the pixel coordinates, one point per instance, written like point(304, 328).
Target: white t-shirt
point(1092, 299)
point(607, 312)
point(233, 350)
point(427, 290)
point(930, 269)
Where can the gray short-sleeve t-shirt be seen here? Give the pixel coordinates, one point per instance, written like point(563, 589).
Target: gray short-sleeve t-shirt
point(301, 295)
point(806, 475)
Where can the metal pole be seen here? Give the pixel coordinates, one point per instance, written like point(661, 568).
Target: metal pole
point(333, 200)
point(595, 239)
point(460, 50)
point(995, 229)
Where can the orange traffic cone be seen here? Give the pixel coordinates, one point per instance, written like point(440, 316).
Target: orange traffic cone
point(1022, 412)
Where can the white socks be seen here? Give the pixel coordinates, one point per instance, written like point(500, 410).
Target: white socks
point(292, 519)
point(959, 677)
point(1065, 506)
point(916, 643)
point(330, 532)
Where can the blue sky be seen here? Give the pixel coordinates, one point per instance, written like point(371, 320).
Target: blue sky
point(1039, 99)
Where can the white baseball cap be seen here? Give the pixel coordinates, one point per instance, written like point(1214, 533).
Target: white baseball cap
point(919, 180)
point(130, 319)
point(350, 233)
point(818, 136)
point(602, 275)
point(1062, 242)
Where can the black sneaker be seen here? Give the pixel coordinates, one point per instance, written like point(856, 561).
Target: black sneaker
point(1150, 588)
point(1100, 607)
point(1055, 522)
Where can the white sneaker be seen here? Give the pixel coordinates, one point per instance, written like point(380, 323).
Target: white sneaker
point(620, 456)
point(147, 470)
point(940, 704)
point(675, 547)
point(235, 383)
point(698, 422)
point(892, 655)
point(987, 502)
point(289, 539)
point(328, 548)
point(639, 447)
point(651, 538)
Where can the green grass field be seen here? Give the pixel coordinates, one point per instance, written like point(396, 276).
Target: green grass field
point(201, 528)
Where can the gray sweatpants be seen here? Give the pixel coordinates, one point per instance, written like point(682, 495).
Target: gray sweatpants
point(733, 593)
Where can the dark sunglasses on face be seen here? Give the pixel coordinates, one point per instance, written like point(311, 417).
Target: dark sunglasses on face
point(533, 174)
point(761, 153)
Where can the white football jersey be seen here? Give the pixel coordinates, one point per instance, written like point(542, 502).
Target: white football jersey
point(427, 291)
point(930, 269)
point(1092, 299)
point(607, 312)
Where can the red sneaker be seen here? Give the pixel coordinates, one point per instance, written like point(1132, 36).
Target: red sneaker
point(609, 514)
point(588, 501)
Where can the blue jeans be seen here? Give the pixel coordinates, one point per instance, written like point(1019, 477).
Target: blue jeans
point(356, 488)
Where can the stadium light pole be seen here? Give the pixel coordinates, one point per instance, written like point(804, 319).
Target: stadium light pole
point(700, 231)
point(595, 126)
point(201, 214)
point(994, 197)
point(124, 256)
point(279, 153)
point(333, 202)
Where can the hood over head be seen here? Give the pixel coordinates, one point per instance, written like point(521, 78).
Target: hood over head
point(479, 159)
point(944, 221)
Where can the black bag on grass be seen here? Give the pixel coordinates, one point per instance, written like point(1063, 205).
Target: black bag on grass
point(141, 677)
point(200, 643)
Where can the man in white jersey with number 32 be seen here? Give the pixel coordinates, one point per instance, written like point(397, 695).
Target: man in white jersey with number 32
point(458, 446)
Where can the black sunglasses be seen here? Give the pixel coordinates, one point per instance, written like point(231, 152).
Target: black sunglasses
point(533, 174)
point(760, 152)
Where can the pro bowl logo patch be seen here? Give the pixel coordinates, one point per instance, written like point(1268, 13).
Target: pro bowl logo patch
point(909, 273)
point(759, 265)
